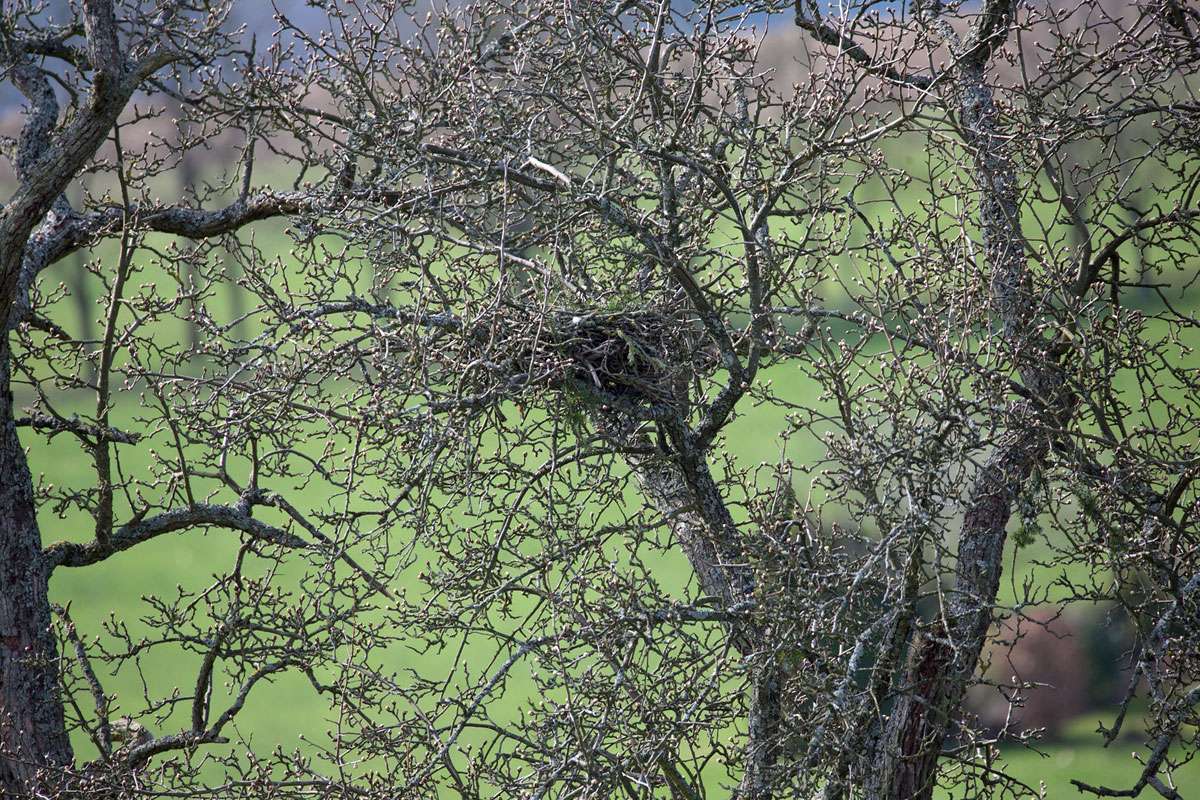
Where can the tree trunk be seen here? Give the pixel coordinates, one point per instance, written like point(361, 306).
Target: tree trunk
point(691, 502)
point(944, 660)
point(682, 489)
point(33, 733)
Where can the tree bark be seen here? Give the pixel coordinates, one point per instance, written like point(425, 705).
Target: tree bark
point(944, 659)
point(33, 734)
point(689, 498)
point(692, 504)
point(680, 486)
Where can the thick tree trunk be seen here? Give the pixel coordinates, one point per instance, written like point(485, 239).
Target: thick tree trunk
point(943, 661)
point(704, 530)
point(691, 501)
point(682, 489)
point(764, 732)
point(33, 734)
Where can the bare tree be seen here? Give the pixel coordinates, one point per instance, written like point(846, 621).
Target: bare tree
point(545, 257)
point(98, 62)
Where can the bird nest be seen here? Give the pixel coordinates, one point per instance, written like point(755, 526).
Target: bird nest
point(623, 357)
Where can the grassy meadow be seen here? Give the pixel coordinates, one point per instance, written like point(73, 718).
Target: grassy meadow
point(286, 712)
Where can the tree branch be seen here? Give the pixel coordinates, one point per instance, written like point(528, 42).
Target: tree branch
point(51, 425)
point(71, 554)
point(827, 34)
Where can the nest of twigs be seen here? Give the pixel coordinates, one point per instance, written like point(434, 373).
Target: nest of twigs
point(620, 356)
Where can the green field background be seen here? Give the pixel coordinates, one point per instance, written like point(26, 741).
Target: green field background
point(286, 711)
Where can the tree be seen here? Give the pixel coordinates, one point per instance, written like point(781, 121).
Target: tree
point(547, 258)
point(99, 60)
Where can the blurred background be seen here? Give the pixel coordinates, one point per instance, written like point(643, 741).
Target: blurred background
point(1059, 672)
